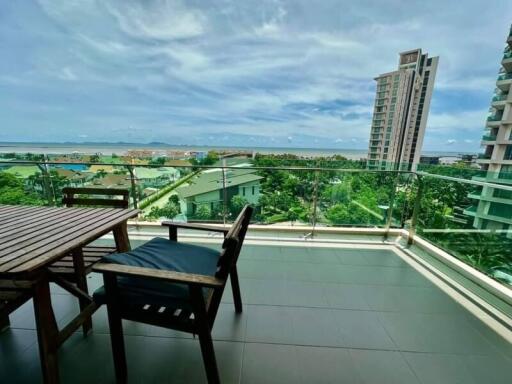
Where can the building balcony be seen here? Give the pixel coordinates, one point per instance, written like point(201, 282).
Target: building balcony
point(381, 296)
point(484, 156)
point(489, 138)
point(507, 61)
point(499, 101)
point(494, 121)
point(503, 82)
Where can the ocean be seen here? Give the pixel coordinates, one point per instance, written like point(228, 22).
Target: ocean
point(122, 148)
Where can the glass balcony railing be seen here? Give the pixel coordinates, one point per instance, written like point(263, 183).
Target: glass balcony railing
point(500, 97)
point(484, 156)
point(489, 137)
point(507, 55)
point(494, 118)
point(505, 76)
point(311, 194)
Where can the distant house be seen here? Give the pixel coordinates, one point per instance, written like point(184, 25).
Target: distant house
point(207, 189)
point(155, 177)
point(75, 178)
point(113, 181)
point(97, 168)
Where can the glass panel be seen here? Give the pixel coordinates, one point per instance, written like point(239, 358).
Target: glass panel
point(472, 223)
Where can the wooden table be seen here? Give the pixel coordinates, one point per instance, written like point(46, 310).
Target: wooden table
point(32, 238)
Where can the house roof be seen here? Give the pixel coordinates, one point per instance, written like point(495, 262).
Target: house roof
point(106, 168)
point(212, 181)
point(113, 181)
point(154, 173)
point(69, 174)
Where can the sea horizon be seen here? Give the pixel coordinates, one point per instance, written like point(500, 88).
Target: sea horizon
point(121, 148)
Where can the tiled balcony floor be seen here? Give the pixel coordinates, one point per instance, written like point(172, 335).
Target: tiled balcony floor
point(311, 315)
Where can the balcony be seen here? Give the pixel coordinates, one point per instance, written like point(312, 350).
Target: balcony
point(379, 296)
point(484, 156)
point(507, 61)
point(499, 101)
point(489, 138)
point(494, 120)
point(503, 82)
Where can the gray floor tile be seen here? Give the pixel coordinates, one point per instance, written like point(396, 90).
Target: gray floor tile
point(269, 325)
point(312, 326)
point(435, 333)
point(326, 366)
point(346, 296)
point(440, 369)
point(412, 299)
point(361, 329)
point(382, 367)
point(270, 363)
point(311, 315)
point(229, 325)
point(385, 259)
point(488, 369)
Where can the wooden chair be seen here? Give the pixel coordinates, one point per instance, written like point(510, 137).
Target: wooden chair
point(172, 285)
point(91, 254)
point(74, 267)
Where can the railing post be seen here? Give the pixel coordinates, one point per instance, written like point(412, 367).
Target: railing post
point(415, 212)
point(133, 185)
point(389, 212)
point(315, 203)
point(224, 193)
point(47, 183)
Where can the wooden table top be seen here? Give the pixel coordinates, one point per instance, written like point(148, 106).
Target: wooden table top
point(33, 237)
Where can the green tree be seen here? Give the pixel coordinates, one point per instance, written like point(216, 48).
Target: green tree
point(12, 191)
point(94, 158)
point(158, 161)
point(236, 204)
point(203, 212)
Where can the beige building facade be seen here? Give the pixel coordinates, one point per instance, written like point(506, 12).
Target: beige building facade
point(400, 114)
point(493, 207)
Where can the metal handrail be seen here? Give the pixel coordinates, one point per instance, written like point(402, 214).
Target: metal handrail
point(283, 168)
point(419, 175)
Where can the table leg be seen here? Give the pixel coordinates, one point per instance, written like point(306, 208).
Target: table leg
point(47, 331)
point(81, 283)
point(121, 237)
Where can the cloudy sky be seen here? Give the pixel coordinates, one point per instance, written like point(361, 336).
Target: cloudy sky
point(233, 72)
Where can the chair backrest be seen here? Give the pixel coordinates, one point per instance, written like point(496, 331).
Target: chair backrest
point(233, 242)
point(117, 198)
point(231, 248)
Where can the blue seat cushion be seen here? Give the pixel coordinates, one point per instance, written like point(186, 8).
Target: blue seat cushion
point(161, 254)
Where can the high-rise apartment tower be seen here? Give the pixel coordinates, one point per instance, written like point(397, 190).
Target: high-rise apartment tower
point(401, 110)
point(493, 207)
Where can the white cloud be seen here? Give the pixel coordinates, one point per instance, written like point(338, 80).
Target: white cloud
point(241, 67)
point(165, 20)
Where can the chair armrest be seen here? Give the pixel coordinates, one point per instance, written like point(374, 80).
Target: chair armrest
point(158, 274)
point(199, 227)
